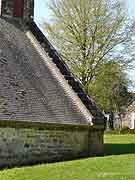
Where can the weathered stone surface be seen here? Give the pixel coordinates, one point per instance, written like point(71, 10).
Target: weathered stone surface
point(7, 7)
point(98, 117)
point(22, 146)
point(31, 87)
point(28, 9)
point(42, 118)
point(128, 118)
point(96, 142)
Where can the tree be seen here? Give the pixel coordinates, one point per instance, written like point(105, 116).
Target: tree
point(110, 91)
point(88, 33)
point(110, 88)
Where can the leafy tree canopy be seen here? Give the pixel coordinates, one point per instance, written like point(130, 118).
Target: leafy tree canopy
point(95, 38)
point(89, 32)
point(109, 88)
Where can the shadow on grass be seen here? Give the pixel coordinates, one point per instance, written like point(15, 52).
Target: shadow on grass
point(118, 149)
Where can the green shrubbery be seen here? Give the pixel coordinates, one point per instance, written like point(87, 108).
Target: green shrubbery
point(124, 130)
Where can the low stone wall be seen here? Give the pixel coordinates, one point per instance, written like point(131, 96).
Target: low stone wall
point(46, 143)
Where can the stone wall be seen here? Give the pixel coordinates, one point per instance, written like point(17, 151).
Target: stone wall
point(47, 143)
point(28, 12)
point(7, 7)
point(128, 118)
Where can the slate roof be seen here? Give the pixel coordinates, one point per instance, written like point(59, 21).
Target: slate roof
point(38, 74)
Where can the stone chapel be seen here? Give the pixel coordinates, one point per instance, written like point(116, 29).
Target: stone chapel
point(45, 115)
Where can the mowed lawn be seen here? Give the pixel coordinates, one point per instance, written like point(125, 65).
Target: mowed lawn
point(117, 164)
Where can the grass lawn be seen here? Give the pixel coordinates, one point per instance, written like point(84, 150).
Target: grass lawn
point(118, 164)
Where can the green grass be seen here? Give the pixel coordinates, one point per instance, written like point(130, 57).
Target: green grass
point(118, 164)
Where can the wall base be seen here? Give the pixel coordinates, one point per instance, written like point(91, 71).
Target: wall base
point(26, 146)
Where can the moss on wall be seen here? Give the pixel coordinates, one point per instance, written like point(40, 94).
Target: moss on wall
point(23, 146)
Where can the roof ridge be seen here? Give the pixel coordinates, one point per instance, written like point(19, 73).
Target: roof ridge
point(57, 75)
point(54, 100)
point(99, 118)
